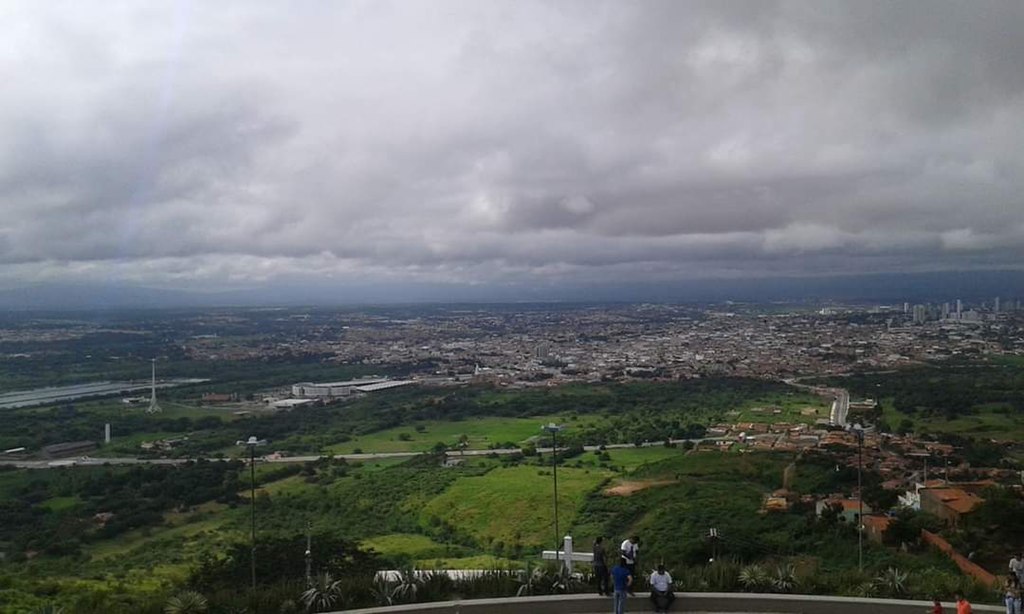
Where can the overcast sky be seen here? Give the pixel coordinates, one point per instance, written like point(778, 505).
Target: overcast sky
point(219, 144)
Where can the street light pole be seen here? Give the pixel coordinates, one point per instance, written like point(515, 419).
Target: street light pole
point(252, 508)
point(860, 496)
point(252, 443)
point(553, 429)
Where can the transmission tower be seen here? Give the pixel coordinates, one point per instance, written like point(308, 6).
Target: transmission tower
point(154, 407)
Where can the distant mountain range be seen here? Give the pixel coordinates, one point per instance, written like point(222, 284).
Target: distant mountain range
point(920, 287)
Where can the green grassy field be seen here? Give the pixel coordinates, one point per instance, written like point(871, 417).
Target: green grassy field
point(987, 421)
point(795, 408)
point(481, 433)
point(513, 505)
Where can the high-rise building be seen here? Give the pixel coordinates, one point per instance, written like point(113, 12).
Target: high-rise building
point(945, 310)
point(959, 309)
point(920, 314)
point(906, 307)
point(995, 306)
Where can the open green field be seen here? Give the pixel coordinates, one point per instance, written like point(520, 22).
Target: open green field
point(513, 505)
point(994, 422)
point(797, 407)
point(481, 433)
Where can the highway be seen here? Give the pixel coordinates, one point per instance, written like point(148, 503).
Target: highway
point(91, 461)
point(837, 417)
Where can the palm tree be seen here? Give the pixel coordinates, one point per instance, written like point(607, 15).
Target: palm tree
point(323, 595)
point(186, 602)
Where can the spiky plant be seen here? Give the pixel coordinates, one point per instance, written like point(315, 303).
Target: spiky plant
point(381, 589)
point(754, 578)
point(784, 578)
point(324, 594)
point(406, 586)
point(186, 602)
point(892, 582)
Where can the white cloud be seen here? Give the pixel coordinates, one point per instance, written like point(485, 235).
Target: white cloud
point(239, 142)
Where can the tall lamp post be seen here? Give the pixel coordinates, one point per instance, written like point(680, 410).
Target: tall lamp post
point(252, 443)
point(553, 428)
point(859, 432)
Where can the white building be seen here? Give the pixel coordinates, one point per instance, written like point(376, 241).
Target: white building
point(330, 390)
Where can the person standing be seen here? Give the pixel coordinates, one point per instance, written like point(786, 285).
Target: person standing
point(1017, 567)
point(661, 590)
point(630, 550)
point(1011, 594)
point(601, 567)
point(962, 605)
point(622, 581)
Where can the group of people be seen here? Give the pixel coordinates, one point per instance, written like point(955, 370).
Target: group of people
point(962, 605)
point(623, 576)
point(1012, 585)
point(618, 581)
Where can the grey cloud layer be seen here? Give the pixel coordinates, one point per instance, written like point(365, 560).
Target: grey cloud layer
point(482, 142)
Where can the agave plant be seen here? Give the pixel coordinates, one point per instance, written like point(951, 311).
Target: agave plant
point(381, 590)
point(892, 581)
point(754, 578)
point(784, 578)
point(406, 586)
point(323, 594)
point(530, 578)
point(186, 602)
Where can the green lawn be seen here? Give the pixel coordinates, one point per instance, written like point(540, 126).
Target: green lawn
point(409, 544)
point(988, 421)
point(626, 459)
point(513, 505)
point(791, 408)
point(481, 432)
point(631, 458)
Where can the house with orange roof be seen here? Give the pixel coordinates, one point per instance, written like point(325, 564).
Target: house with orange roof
point(949, 504)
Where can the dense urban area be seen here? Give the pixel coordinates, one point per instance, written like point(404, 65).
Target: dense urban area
point(840, 449)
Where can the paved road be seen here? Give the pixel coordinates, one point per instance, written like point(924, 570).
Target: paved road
point(94, 461)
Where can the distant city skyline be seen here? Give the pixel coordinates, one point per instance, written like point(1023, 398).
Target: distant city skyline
point(510, 150)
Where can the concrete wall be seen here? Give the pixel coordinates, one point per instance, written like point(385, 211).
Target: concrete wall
point(685, 602)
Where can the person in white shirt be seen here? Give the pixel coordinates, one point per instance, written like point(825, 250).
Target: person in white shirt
point(661, 590)
point(1017, 567)
point(630, 550)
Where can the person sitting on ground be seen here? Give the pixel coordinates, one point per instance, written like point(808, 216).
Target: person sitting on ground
point(936, 606)
point(661, 590)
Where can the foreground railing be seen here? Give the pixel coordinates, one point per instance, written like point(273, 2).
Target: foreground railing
point(685, 602)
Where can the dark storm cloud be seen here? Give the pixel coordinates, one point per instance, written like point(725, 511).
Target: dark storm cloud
point(193, 142)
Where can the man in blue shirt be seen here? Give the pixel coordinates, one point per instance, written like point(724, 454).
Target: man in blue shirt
point(623, 581)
